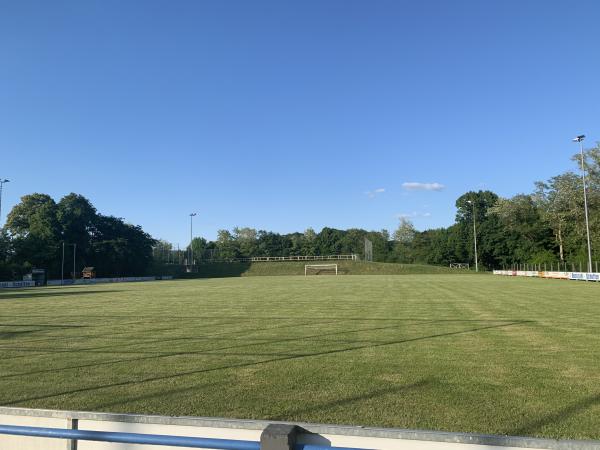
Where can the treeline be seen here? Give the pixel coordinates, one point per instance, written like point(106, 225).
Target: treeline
point(37, 227)
point(546, 226)
point(248, 242)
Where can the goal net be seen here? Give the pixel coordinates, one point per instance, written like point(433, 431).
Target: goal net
point(459, 266)
point(318, 269)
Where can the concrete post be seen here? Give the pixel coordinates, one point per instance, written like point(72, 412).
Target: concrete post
point(279, 437)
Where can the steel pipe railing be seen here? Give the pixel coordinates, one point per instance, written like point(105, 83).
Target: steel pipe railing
point(148, 439)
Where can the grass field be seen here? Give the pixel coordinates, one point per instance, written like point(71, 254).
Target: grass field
point(445, 352)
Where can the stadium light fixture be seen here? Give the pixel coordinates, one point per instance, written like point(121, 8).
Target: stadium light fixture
point(1, 186)
point(580, 139)
point(474, 234)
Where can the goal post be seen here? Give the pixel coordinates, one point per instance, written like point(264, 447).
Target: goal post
point(459, 266)
point(320, 267)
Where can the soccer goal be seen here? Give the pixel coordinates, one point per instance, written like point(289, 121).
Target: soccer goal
point(459, 266)
point(317, 269)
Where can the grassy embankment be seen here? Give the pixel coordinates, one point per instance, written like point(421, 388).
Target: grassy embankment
point(216, 270)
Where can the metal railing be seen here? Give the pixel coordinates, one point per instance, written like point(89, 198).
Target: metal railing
point(298, 258)
point(147, 439)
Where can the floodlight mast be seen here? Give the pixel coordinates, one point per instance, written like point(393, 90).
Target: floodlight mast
point(580, 139)
point(191, 240)
point(1, 185)
point(474, 234)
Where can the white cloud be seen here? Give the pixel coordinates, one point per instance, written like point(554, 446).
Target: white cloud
point(413, 215)
point(373, 193)
point(415, 186)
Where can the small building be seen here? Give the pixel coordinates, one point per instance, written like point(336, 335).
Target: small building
point(36, 275)
point(88, 273)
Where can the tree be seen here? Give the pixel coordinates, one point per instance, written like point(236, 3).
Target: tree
point(77, 219)
point(328, 241)
point(272, 244)
point(119, 248)
point(592, 167)
point(560, 201)
point(405, 233)
point(296, 243)
point(353, 241)
point(309, 246)
point(557, 201)
point(200, 247)
point(247, 241)
point(591, 162)
point(162, 251)
point(35, 232)
point(226, 245)
point(489, 230)
point(381, 244)
point(523, 226)
point(6, 253)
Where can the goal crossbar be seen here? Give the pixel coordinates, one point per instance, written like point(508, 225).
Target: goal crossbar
point(320, 267)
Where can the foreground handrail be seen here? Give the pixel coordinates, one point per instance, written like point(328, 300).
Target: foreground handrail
point(130, 438)
point(149, 439)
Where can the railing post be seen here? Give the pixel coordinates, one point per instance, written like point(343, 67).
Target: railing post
point(72, 424)
point(279, 437)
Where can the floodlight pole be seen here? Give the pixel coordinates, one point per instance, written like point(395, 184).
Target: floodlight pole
point(1, 185)
point(62, 265)
point(474, 234)
point(587, 223)
point(74, 254)
point(191, 240)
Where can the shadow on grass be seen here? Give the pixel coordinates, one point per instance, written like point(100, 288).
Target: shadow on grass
point(40, 328)
point(219, 336)
point(561, 415)
point(166, 394)
point(290, 414)
point(131, 331)
point(216, 336)
point(248, 318)
point(256, 363)
point(110, 348)
point(21, 295)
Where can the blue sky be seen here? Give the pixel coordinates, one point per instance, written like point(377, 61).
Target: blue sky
point(285, 115)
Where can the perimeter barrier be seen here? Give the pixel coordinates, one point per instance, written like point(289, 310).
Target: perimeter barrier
point(16, 284)
point(578, 276)
point(43, 429)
